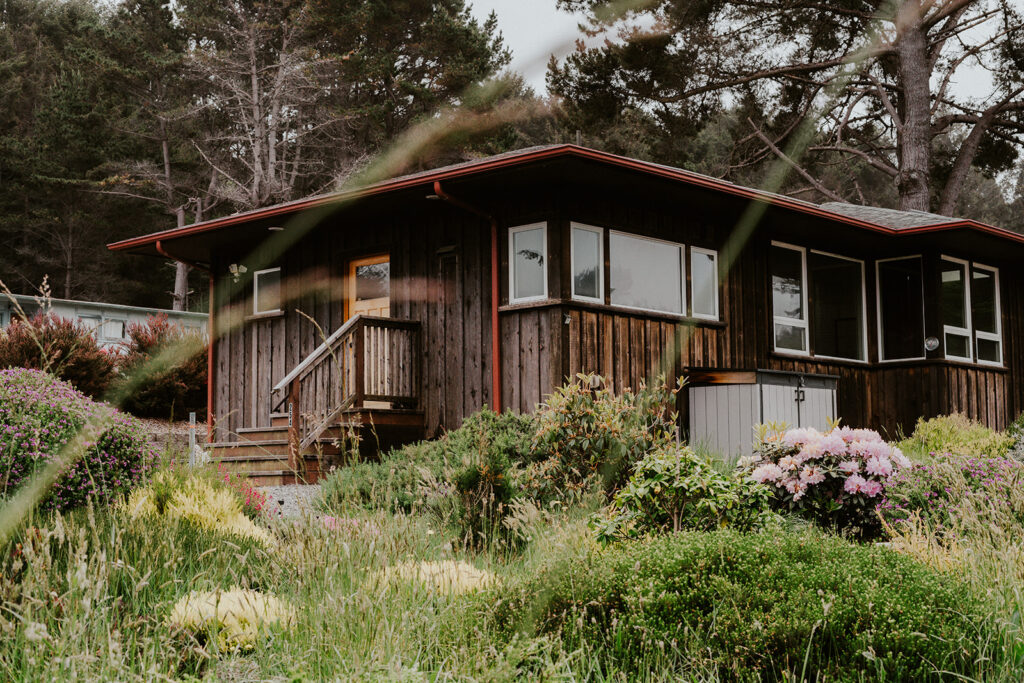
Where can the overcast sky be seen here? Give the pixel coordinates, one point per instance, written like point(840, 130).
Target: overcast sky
point(533, 29)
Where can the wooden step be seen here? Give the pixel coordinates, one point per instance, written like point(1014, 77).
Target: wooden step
point(262, 433)
point(270, 478)
point(253, 463)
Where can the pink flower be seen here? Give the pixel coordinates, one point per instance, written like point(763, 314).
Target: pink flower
point(812, 449)
point(833, 444)
point(855, 484)
point(788, 462)
point(871, 488)
point(796, 487)
point(849, 466)
point(898, 459)
point(766, 472)
point(880, 467)
point(812, 475)
point(798, 437)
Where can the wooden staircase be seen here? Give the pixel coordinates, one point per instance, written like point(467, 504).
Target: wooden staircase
point(363, 380)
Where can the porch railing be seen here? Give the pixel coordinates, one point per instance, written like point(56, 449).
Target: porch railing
point(366, 360)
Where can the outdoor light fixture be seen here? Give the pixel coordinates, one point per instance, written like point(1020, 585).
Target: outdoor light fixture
point(236, 270)
point(931, 343)
point(275, 228)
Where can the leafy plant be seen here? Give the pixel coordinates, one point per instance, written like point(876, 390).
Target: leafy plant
point(672, 489)
point(163, 370)
point(766, 606)
point(40, 415)
point(833, 479)
point(64, 348)
point(588, 433)
point(957, 434)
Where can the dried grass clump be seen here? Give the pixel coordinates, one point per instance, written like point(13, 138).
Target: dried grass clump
point(236, 616)
point(446, 576)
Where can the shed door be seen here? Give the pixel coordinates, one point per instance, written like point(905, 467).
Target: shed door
point(798, 400)
point(369, 287)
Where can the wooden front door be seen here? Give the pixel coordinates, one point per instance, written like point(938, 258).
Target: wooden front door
point(369, 286)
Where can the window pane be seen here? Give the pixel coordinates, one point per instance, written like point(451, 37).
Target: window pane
point(373, 281)
point(988, 350)
point(586, 263)
point(958, 345)
point(790, 337)
point(787, 283)
point(954, 294)
point(837, 306)
point(704, 282)
point(113, 329)
point(528, 265)
point(646, 274)
point(901, 308)
point(983, 300)
point(268, 291)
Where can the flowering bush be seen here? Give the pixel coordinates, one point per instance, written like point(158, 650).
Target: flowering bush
point(589, 434)
point(163, 370)
point(941, 493)
point(235, 617)
point(196, 501)
point(253, 501)
point(834, 479)
point(672, 489)
point(61, 347)
point(39, 415)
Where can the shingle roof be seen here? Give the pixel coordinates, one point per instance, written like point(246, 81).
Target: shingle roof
point(890, 218)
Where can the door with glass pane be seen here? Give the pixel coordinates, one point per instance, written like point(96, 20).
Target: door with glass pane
point(369, 286)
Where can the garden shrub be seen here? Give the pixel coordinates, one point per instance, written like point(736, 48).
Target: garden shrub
point(673, 489)
point(163, 370)
point(233, 619)
point(767, 606)
point(833, 479)
point(957, 434)
point(954, 494)
point(1016, 432)
point(64, 348)
point(39, 415)
point(587, 433)
point(253, 501)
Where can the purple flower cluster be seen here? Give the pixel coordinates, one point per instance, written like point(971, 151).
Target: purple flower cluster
point(934, 491)
point(39, 415)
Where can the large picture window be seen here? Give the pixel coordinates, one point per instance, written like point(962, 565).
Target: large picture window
point(900, 290)
point(838, 327)
point(789, 298)
point(528, 263)
point(703, 283)
point(266, 295)
point(587, 263)
point(646, 273)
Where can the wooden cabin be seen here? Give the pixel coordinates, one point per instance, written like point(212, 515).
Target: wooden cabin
point(411, 303)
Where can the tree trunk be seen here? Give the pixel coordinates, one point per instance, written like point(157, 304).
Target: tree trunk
point(915, 140)
point(180, 297)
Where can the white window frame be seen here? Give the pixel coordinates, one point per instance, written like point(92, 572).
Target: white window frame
point(96, 330)
point(256, 291)
point(878, 308)
point(714, 257)
point(573, 227)
point(682, 273)
point(996, 336)
point(863, 307)
point(124, 328)
point(953, 329)
point(794, 322)
point(512, 264)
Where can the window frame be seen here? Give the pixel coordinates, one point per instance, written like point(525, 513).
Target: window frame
point(124, 328)
point(573, 226)
point(878, 308)
point(682, 273)
point(996, 336)
point(793, 322)
point(966, 331)
point(543, 296)
point(863, 306)
point(717, 285)
point(256, 291)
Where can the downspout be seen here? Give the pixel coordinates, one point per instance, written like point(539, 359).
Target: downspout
point(210, 329)
point(495, 336)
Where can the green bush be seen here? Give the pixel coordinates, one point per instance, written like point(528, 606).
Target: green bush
point(40, 415)
point(956, 434)
point(769, 606)
point(672, 489)
point(588, 433)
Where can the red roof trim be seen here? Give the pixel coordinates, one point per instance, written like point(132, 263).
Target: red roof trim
point(429, 178)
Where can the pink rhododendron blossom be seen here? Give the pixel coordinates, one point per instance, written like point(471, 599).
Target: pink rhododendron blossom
point(812, 449)
point(789, 463)
point(871, 488)
point(833, 444)
point(880, 467)
point(798, 437)
point(849, 466)
point(767, 472)
point(899, 459)
point(796, 487)
point(812, 475)
point(854, 484)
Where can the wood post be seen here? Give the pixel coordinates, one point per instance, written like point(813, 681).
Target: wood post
point(295, 460)
point(360, 359)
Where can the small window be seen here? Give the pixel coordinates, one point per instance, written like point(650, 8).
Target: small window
point(92, 324)
point(267, 291)
point(955, 296)
point(528, 272)
point(985, 314)
point(837, 306)
point(114, 329)
point(646, 273)
point(900, 286)
point(587, 263)
point(704, 283)
point(789, 297)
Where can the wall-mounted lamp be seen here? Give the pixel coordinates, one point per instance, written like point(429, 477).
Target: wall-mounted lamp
point(275, 228)
point(236, 270)
point(931, 343)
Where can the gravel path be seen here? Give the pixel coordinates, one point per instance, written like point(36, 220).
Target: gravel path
point(292, 501)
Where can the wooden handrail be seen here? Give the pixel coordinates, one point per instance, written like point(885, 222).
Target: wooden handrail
point(317, 354)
